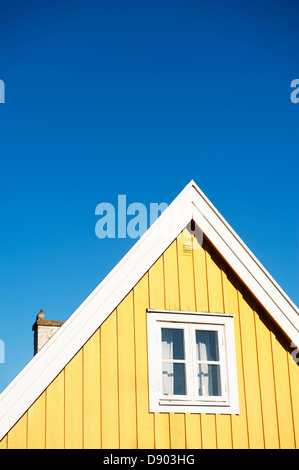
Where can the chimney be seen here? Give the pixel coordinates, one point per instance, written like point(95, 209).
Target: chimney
point(43, 330)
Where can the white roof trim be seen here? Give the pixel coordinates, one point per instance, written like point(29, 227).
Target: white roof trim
point(59, 350)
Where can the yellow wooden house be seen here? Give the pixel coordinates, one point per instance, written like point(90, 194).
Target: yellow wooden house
point(188, 343)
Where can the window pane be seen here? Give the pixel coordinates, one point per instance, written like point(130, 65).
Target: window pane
point(207, 345)
point(174, 381)
point(209, 380)
point(173, 343)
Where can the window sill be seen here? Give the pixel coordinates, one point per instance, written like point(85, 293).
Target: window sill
point(194, 408)
point(193, 403)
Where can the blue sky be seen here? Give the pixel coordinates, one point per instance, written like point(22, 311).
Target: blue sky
point(138, 97)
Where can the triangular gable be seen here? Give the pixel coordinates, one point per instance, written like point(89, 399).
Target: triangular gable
point(191, 204)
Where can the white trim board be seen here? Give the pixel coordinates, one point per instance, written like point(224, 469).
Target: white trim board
point(191, 203)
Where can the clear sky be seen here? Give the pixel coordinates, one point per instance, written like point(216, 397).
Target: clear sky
point(136, 98)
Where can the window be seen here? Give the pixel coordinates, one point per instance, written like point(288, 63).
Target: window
point(192, 364)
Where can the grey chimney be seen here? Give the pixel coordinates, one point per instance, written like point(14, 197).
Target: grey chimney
point(43, 330)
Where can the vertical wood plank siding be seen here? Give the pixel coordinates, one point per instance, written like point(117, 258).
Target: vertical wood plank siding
point(100, 399)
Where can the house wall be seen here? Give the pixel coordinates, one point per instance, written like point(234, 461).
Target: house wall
point(100, 399)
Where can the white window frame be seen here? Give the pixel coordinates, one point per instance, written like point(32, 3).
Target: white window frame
point(228, 402)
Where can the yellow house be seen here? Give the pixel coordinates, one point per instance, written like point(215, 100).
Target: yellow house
point(188, 343)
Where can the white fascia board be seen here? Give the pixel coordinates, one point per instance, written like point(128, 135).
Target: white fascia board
point(72, 335)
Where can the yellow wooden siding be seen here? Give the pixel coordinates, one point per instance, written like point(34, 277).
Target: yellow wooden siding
point(55, 413)
point(73, 396)
point(126, 374)
point(145, 420)
point(100, 399)
point(92, 393)
point(109, 384)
